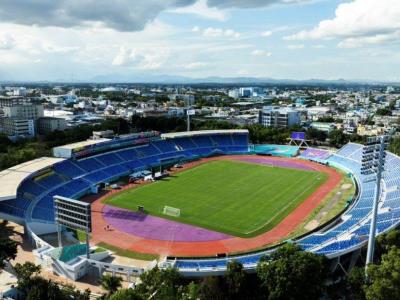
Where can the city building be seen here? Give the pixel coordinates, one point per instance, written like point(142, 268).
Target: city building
point(271, 116)
point(322, 126)
point(24, 111)
point(11, 101)
point(21, 91)
point(14, 127)
point(50, 124)
point(19, 120)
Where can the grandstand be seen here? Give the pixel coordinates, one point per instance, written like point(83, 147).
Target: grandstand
point(27, 191)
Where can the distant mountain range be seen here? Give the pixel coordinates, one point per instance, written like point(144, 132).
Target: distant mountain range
point(171, 79)
point(176, 79)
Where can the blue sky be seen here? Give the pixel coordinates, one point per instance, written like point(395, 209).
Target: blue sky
point(293, 39)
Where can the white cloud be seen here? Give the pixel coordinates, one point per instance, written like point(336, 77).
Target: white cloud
point(266, 33)
point(141, 58)
point(154, 59)
point(194, 65)
point(295, 46)
point(219, 32)
point(196, 29)
point(200, 8)
point(358, 23)
point(59, 49)
point(242, 72)
point(124, 57)
point(318, 46)
point(7, 42)
point(258, 52)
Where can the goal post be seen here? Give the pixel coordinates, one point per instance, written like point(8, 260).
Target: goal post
point(171, 211)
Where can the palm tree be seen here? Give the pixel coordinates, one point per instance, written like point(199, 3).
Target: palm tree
point(110, 283)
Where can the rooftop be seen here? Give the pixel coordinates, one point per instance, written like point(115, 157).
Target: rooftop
point(83, 144)
point(11, 178)
point(202, 132)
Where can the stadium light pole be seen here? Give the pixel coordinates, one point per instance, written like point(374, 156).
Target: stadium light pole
point(373, 162)
point(188, 108)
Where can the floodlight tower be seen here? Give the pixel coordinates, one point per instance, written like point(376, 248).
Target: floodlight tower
point(189, 112)
point(373, 162)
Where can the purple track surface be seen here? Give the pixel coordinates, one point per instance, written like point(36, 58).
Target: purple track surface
point(277, 163)
point(156, 228)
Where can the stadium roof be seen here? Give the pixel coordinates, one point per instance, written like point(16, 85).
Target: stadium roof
point(201, 132)
point(83, 144)
point(11, 178)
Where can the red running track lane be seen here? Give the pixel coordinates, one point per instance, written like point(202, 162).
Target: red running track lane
point(210, 248)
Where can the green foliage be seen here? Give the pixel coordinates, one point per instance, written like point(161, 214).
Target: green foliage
point(212, 288)
point(110, 283)
point(259, 134)
point(329, 119)
point(383, 112)
point(8, 251)
point(356, 283)
point(24, 273)
point(236, 280)
point(293, 274)
point(126, 294)
point(315, 134)
point(394, 145)
point(384, 279)
point(162, 284)
point(34, 287)
point(338, 138)
point(162, 124)
point(385, 242)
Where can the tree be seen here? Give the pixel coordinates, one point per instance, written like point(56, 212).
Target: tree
point(41, 288)
point(356, 283)
point(394, 145)
point(212, 288)
point(235, 280)
point(126, 294)
point(383, 112)
point(8, 251)
point(24, 273)
point(160, 284)
point(70, 292)
point(337, 138)
point(384, 279)
point(385, 242)
point(293, 274)
point(110, 283)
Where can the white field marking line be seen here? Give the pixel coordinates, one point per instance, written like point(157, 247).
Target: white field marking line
point(269, 221)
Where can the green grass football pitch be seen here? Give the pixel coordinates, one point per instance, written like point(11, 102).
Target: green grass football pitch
point(236, 198)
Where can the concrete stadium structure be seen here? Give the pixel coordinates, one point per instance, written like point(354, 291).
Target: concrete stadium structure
point(26, 195)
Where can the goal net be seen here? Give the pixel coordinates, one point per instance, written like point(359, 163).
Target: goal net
point(171, 211)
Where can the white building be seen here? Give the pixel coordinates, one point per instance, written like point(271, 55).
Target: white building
point(271, 116)
point(21, 91)
point(233, 93)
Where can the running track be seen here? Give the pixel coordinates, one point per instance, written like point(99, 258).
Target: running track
point(137, 243)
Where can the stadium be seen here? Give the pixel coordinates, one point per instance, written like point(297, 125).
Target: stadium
point(195, 201)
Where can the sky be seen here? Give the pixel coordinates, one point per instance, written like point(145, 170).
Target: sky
point(84, 40)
